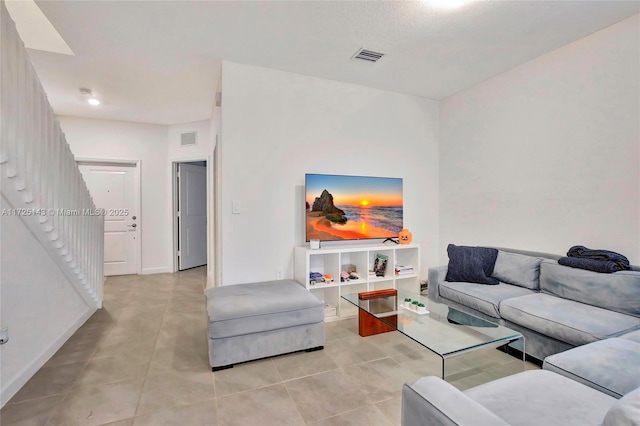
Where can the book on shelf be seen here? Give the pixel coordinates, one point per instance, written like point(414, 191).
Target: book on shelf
point(404, 270)
point(380, 265)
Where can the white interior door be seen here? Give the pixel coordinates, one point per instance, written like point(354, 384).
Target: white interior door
point(192, 216)
point(113, 188)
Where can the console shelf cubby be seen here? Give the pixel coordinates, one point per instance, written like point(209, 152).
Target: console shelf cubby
point(331, 260)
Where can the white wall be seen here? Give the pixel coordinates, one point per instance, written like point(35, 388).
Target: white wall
point(156, 146)
point(203, 146)
point(277, 126)
point(40, 307)
point(148, 143)
point(547, 155)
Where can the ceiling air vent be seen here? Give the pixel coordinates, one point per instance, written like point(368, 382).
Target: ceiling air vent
point(368, 55)
point(188, 139)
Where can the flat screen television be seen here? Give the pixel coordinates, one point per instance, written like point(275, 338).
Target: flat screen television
point(339, 208)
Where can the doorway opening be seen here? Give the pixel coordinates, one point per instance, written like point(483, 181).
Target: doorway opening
point(191, 198)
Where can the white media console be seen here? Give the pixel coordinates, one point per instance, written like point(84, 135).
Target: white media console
point(331, 260)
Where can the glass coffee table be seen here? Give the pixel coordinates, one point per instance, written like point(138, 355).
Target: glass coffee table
point(443, 330)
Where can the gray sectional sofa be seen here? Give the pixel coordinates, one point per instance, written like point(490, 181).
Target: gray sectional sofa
point(555, 307)
point(594, 384)
point(531, 398)
point(584, 325)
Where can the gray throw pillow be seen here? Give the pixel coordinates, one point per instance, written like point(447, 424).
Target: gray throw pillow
point(518, 269)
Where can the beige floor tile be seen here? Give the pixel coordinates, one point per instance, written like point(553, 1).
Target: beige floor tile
point(393, 343)
point(379, 380)
point(101, 371)
point(181, 356)
point(325, 395)
point(247, 376)
point(97, 405)
point(126, 349)
point(173, 389)
point(89, 335)
point(50, 381)
point(128, 333)
point(352, 350)
point(336, 330)
point(267, 406)
point(30, 413)
point(125, 422)
point(421, 363)
point(186, 305)
point(302, 364)
point(199, 414)
point(365, 416)
point(103, 315)
point(392, 410)
point(71, 354)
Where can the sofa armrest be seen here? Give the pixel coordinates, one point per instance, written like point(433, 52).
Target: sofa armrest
point(436, 276)
point(432, 401)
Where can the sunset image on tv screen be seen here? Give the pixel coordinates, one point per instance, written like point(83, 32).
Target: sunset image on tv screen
point(352, 207)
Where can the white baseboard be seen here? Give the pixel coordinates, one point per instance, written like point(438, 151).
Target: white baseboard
point(163, 270)
point(12, 386)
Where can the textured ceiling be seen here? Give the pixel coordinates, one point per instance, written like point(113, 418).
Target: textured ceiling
point(159, 62)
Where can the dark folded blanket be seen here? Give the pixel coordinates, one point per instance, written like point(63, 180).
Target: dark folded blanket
point(603, 255)
point(604, 266)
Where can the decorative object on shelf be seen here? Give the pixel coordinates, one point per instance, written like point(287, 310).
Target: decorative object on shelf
point(405, 236)
point(315, 244)
point(328, 278)
point(315, 278)
point(380, 265)
point(422, 309)
point(330, 311)
point(407, 303)
point(349, 268)
point(404, 270)
point(414, 305)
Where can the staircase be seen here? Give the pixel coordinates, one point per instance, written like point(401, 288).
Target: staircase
point(40, 177)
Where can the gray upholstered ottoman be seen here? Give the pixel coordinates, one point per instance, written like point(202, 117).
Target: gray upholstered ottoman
point(258, 320)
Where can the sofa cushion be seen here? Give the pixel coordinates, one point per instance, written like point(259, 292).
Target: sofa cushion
point(610, 366)
point(240, 309)
point(471, 264)
point(431, 400)
point(518, 269)
point(485, 299)
point(633, 336)
point(565, 320)
point(625, 411)
point(619, 291)
point(542, 398)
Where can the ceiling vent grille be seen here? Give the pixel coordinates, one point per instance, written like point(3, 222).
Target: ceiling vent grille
point(368, 55)
point(188, 139)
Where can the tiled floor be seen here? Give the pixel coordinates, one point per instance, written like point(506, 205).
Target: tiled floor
point(142, 360)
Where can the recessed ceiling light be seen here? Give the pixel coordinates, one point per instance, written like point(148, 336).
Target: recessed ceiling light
point(90, 98)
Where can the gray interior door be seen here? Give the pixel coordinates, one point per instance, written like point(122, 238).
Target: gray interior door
point(192, 216)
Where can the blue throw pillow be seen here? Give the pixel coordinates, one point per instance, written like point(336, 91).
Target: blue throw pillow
point(471, 264)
